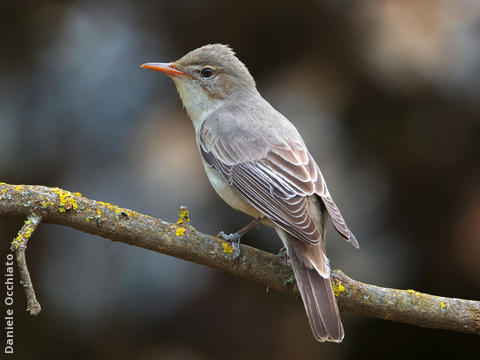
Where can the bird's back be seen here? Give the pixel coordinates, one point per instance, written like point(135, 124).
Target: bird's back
point(255, 125)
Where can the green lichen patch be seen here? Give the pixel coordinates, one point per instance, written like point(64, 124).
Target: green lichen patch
point(289, 281)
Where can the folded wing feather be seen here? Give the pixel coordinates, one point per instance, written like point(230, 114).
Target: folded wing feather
point(275, 178)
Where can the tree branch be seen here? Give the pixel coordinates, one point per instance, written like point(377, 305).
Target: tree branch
point(180, 239)
point(19, 245)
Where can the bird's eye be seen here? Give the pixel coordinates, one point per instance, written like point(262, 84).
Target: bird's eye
point(207, 72)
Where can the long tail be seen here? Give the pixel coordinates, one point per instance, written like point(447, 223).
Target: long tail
point(316, 290)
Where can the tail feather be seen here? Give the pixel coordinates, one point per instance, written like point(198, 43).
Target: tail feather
point(318, 298)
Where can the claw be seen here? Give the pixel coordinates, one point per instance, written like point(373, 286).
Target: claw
point(283, 253)
point(234, 239)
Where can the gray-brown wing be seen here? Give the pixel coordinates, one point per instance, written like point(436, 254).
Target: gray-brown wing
point(253, 181)
point(275, 179)
point(300, 169)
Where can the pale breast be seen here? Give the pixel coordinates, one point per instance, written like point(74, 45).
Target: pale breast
point(228, 195)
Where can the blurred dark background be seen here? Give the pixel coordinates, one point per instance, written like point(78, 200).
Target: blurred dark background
point(386, 94)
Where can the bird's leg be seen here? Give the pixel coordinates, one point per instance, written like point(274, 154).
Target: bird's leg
point(234, 238)
point(283, 253)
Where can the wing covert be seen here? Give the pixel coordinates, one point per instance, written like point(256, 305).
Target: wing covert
point(274, 178)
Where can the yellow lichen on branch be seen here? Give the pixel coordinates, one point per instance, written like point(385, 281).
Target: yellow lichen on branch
point(227, 247)
point(338, 287)
point(24, 234)
point(180, 231)
point(66, 200)
point(183, 220)
point(181, 240)
point(183, 215)
point(19, 245)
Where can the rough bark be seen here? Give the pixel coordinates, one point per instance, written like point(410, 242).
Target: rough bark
point(182, 240)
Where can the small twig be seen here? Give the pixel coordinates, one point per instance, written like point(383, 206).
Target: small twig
point(19, 245)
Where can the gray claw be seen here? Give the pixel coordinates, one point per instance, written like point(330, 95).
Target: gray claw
point(283, 253)
point(234, 237)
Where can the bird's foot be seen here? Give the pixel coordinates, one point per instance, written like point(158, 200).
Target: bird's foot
point(283, 253)
point(234, 239)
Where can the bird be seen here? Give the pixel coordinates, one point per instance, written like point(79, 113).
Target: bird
point(258, 163)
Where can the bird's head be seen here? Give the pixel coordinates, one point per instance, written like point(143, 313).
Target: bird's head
point(206, 78)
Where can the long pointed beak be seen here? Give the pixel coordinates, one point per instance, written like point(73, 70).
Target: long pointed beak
point(166, 68)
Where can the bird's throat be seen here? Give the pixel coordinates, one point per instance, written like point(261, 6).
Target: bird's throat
point(196, 102)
